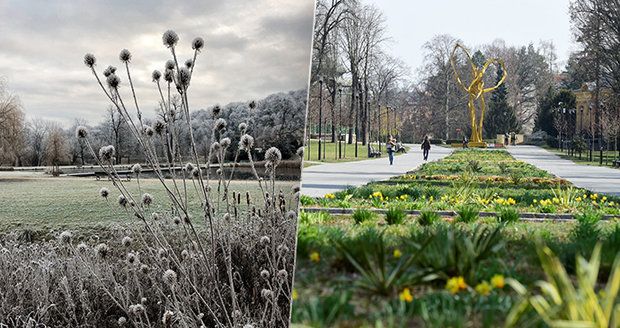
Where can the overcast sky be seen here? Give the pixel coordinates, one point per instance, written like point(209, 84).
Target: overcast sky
point(253, 48)
point(476, 22)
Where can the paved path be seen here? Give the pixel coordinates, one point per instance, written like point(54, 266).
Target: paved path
point(322, 179)
point(598, 179)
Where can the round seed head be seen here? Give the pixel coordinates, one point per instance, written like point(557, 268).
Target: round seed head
point(102, 250)
point(122, 321)
point(159, 127)
point(166, 319)
point(132, 258)
point(246, 142)
point(220, 124)
point(266, 293)
point(170, 64)
point(185, 254)
point(189, 63)
point(189, 167)
point(144, 268)
point(109, 70)
point(90, 60)
point(104, 192)
point(215, 111)
point(183, 77)
point(243, 127)
point(282, 274)
point(252, 104)
point(147, 199)
point(273, 155)
point(198, 43)
point(265, 240)
point(127, 241)
point(196, 173)
point(124, 56)
point(225, 142)
point(81, 132)
point(169, 75)
point(291, 215)
point(264, 274)
point(177, 220)
point(170, 277)
point(136, 169)
point(122, 201)
point(82, 248)
point(148, 131)
point(106, 153)
point(156, 75)
point(137, 309)
point(215, 147)
point(66, 236)
point(282, 249)
point(170, 38)
point(113, 81)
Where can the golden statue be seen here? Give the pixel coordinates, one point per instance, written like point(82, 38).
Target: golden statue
point(476, 91)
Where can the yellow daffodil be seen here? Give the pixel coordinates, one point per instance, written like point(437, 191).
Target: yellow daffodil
point(603, 199)
point(578, 199)
point(456, 284)
point(405, 296)
point(295, 295)
point(483, 288)
point(315, 257)
point(397, 254)
point(330, 196)
point(497, 281)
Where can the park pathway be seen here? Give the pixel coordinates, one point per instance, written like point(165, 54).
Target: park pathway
point(598, 179)
point(322, 179)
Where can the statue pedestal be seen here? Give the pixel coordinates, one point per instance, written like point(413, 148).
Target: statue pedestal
point(471, 145)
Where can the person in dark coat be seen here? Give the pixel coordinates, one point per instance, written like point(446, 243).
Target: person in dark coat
point(390, 145)
point(426, 147)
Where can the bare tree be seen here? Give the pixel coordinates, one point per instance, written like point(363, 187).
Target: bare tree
point(12, 140)
point(56, 149)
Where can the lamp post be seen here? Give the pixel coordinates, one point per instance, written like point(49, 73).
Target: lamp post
point(356, 105)
point(320, 114)
point(340, 124)
point(591, 131)
point(368, 126)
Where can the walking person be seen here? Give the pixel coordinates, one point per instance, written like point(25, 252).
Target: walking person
point(465, 142)
point(390, 144)
point(426, 147)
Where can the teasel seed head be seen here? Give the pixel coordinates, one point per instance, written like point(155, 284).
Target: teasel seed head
point(198, 43)
point(170, 65)
point(107, 153)
point(122, 201)
point(159, 127)
point(144, 268)
point(125, 56)
point(185, 254)
point(166, 319)
point(155, 216)
point(127, 241)
point(132, 258)
point(122, 321)
point(220, 124)
point(282, 274)
point(265, 240)
point(169, 75)
point(136, 169)
point(252, 104)
point(113, 81)
point(90, 60)
point(170, 38)
point(66, 237)
point(266, 293)
point(189, 63)
point(109, 70)
point(148, 131)
point(218, 172)
point(156, 75)
point(195, 173)
point(291, 215)
point(170, 277)
point(183, 77)
point(215, 147)
point(137, 309)
point(215, 111)
point(177, 220)
point(225, 142)
point(81, 132)
point(282, 249)
point(273, 155)
point(246, 142)
point(82, 248)
point(189, 167)
point(104, 192)
point(243, 127)
point(102, 250)
point(147, 199)
point(264, 274)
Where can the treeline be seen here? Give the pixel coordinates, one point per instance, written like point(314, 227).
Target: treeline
point(275, 121)
point(365, 91)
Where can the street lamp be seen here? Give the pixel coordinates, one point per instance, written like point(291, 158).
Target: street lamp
point(320, 114)
point(340, 124)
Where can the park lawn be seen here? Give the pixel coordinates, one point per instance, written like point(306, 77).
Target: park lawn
point(44, 204)
point(348, 152)
point(488, 180)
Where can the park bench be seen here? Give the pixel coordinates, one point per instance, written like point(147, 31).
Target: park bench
point(374, 153)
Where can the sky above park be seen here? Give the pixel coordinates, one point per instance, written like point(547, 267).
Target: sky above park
point(518, 22)
point(253, 48)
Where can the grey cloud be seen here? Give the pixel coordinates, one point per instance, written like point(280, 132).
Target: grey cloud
point(253, 48)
